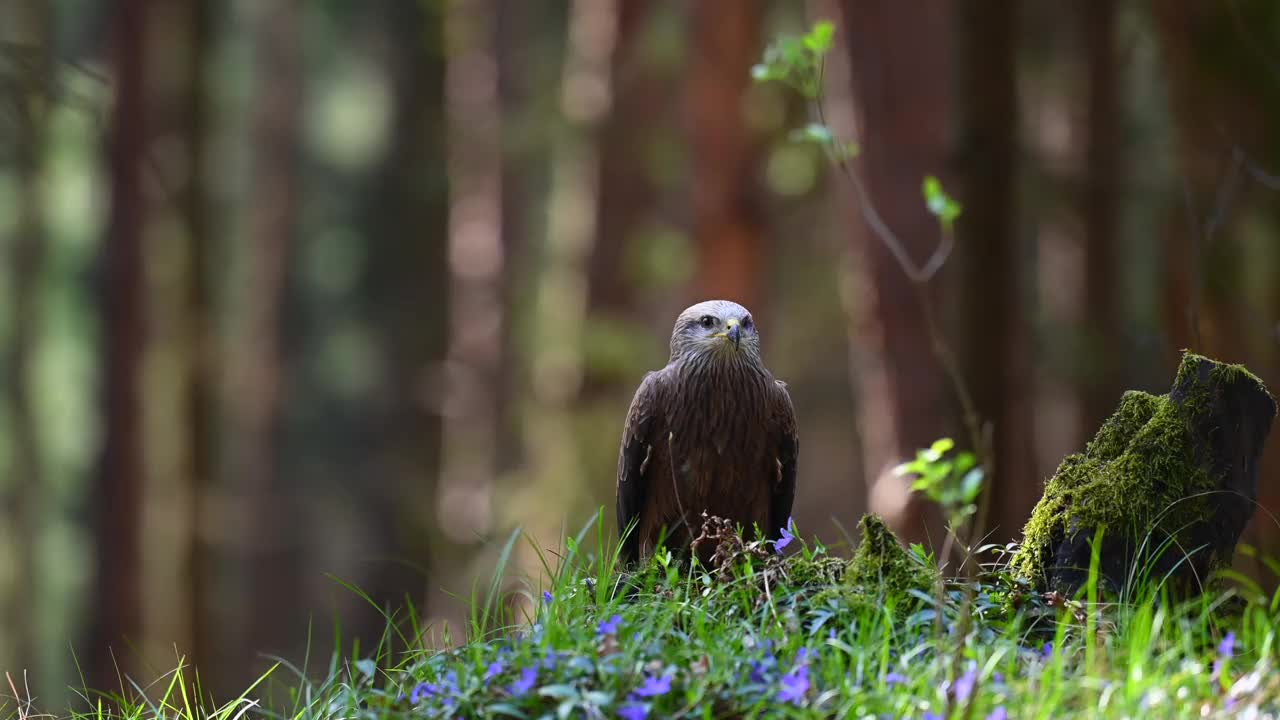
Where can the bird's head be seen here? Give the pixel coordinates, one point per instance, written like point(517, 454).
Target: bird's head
point(716, 328)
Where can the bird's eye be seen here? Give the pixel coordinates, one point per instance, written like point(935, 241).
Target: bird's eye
point(707, 321)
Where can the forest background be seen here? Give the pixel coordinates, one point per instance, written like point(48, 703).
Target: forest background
point(296, 294)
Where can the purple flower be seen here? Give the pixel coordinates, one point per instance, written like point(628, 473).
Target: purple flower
point(760, 668)
point(786, 538)
point(895, 678)
point(1047, 651)
point(495, 669)
point(998, 714)
point(422, 691)
point(1227, 647)
point(547, 596)
point(654, 685)
point(633, 711)
point(931, 716)
point(610, 626)
point(551, 660)
point(963, 687)
point(522, 686)
point(794, 685)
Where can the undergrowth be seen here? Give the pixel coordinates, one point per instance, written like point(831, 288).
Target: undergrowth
point(767, 634)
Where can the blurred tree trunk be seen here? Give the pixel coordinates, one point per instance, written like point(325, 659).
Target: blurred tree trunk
point(26, 261)
point(557, 488)
point(117, 504)
point(900, 59)
point(626, 197)
point(199, 338)
point(1219, 93)
point(727, 222)
point(1104, 337)
point(406, 283)
point(517, 54)
point(1212, 118)
point(464, 501)
point(255, 396)
point(995, 344)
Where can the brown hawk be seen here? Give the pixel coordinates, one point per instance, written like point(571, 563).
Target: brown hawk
point(712, 431)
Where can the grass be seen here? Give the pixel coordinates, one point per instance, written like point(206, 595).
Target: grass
point(761, 635)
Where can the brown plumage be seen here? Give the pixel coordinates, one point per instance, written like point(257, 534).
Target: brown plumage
point(712, 431)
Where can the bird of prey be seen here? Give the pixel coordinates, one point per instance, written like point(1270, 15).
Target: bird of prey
point(712, 431)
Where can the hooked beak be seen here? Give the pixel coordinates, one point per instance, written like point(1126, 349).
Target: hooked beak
point(733, 333)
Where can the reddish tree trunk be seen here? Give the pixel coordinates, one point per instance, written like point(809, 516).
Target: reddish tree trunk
point(1216, 112)
point(726, 213)
point(117, 507)
point(1104, 333)
point(900, 59)
point(995, 361)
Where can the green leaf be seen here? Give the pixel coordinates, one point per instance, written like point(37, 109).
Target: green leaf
point(939, 202)
point(942, 446)
point(560, 692)
point(815, 133)
point(971, 485)
point(820, 39)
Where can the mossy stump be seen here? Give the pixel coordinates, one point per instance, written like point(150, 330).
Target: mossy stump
point(1169, 480)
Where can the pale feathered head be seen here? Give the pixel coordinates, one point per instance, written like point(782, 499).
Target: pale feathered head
point(716, 328)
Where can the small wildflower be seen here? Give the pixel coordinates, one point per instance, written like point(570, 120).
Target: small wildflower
point(551, 660)
point(522, 686)
point(422, 691)
point(547, 597)
point(998, 714)
point(787, 536)
point(1227, 647)
point(931, 716)
point(1047, 651)
point(760, 668)
point(495, 669)
point(895, 678)
point(634, 711)
point(654, 685)
point(964, 684)
point(795, 685)
point(610, 626)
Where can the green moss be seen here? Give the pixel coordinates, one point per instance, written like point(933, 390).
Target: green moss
point(1141, 472)
point(881, 572)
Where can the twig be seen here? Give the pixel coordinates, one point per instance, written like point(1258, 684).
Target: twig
point(980, 434)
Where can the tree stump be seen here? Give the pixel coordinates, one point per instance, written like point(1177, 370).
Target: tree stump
point(1167, 486)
